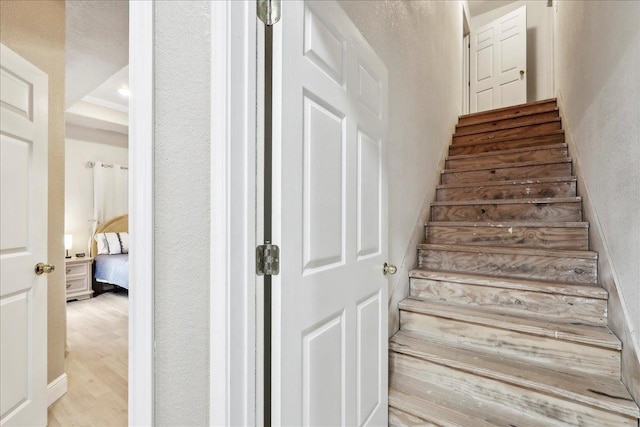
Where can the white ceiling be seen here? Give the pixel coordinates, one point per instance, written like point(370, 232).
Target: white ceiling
point(97, 57)
point(107, 94)
point(97, 44)
point(478, 7)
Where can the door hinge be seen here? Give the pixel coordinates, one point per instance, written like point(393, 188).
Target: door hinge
point(267, 260)
point(269, 11)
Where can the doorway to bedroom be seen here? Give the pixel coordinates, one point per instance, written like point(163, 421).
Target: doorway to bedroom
point(96, 215)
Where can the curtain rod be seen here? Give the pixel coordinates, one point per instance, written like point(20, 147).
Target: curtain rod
point(90, 165)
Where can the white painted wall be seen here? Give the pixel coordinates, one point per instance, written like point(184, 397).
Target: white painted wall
point(539, 44)
point(421, 45)
point(83, 145)
point(598, 84)
point(182, 99)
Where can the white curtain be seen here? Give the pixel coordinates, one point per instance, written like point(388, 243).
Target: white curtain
point(110, 192)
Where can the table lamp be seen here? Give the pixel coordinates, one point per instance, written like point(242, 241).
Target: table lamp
point(68, 244)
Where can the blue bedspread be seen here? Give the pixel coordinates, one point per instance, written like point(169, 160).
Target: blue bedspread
point(113, 269)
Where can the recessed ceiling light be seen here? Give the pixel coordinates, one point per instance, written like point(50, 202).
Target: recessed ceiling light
point(124, 91)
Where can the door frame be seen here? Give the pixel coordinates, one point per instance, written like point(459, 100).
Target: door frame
point(233, 320)
point(141, 271)
point(466, 63)
point(234, 326)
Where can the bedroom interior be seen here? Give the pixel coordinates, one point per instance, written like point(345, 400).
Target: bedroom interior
point(96, 198)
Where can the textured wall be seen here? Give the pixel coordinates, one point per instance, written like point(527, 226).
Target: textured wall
point(421, 45)
point(181, 212)
point(539, 44)
point(36, 31)
point(598, 83)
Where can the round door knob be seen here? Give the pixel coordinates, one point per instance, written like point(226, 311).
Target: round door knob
point(522, 72)
point(389, 269)
point(42, 268)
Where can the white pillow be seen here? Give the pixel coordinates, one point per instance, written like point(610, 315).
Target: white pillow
point(112, 243)
point(124, 242)
point(103, 247)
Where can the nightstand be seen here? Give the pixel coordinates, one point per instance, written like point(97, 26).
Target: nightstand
point(78, 277)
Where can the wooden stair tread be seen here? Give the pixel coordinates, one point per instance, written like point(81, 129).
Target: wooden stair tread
point(446, 408)
point(590, 335)
point(511, 107)
point(585, 291)
point(399, 418)
point(507, 182)
point(511, 138)
point(514, 188)
point(430, 411)
point(509, 165)
point(594, 390)
point(490, 119)
point(558, 265)
point(507, 151)
point(511, 250)
point(507, 224)
point(508, 201)
point(521, 233)
point(513, 126)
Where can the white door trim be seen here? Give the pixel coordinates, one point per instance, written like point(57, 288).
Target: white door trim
point(141, 271)
point(233, 214)
point(466, 85)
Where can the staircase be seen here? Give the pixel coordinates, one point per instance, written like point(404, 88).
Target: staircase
point(505, 324)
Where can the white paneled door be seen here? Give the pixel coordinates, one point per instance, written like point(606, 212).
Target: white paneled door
point(329, 360)
point(499, 62)
point(23, 241)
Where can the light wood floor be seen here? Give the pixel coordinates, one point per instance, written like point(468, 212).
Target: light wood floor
point(96, 365)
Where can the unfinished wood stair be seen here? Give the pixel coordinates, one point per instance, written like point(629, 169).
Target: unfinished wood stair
point(505, 324)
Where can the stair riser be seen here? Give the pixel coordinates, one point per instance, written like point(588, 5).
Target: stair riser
point(516, 111)
point(544, 306)
point(526, 237)
point(489, 146)
point(508, 173)
point(545, 212)
point(546, 351)
point(510, 191)
point(535, 267)
point(503, 133)
point(536, 404)
point(506, 122)
point(500, 159)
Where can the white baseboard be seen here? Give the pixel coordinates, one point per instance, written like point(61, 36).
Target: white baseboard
point(56, 389)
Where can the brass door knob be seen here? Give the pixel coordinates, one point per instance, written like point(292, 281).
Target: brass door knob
point(42, 268)
point(389, 269)
point(522, 72)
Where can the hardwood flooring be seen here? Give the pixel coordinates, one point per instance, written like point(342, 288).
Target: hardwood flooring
point(96, 366)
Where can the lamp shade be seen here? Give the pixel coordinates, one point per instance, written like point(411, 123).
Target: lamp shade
point(68, 241)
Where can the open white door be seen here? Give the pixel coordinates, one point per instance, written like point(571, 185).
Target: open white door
point(329, 357)
point(499, 62)
point(23, 241)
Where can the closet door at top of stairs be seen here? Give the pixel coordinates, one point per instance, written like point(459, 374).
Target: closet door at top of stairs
point(499, 62)
point(330, 298)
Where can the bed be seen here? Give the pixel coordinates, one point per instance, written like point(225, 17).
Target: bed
point(111, 271)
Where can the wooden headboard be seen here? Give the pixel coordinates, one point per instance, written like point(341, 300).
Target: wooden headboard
point(114, 225)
